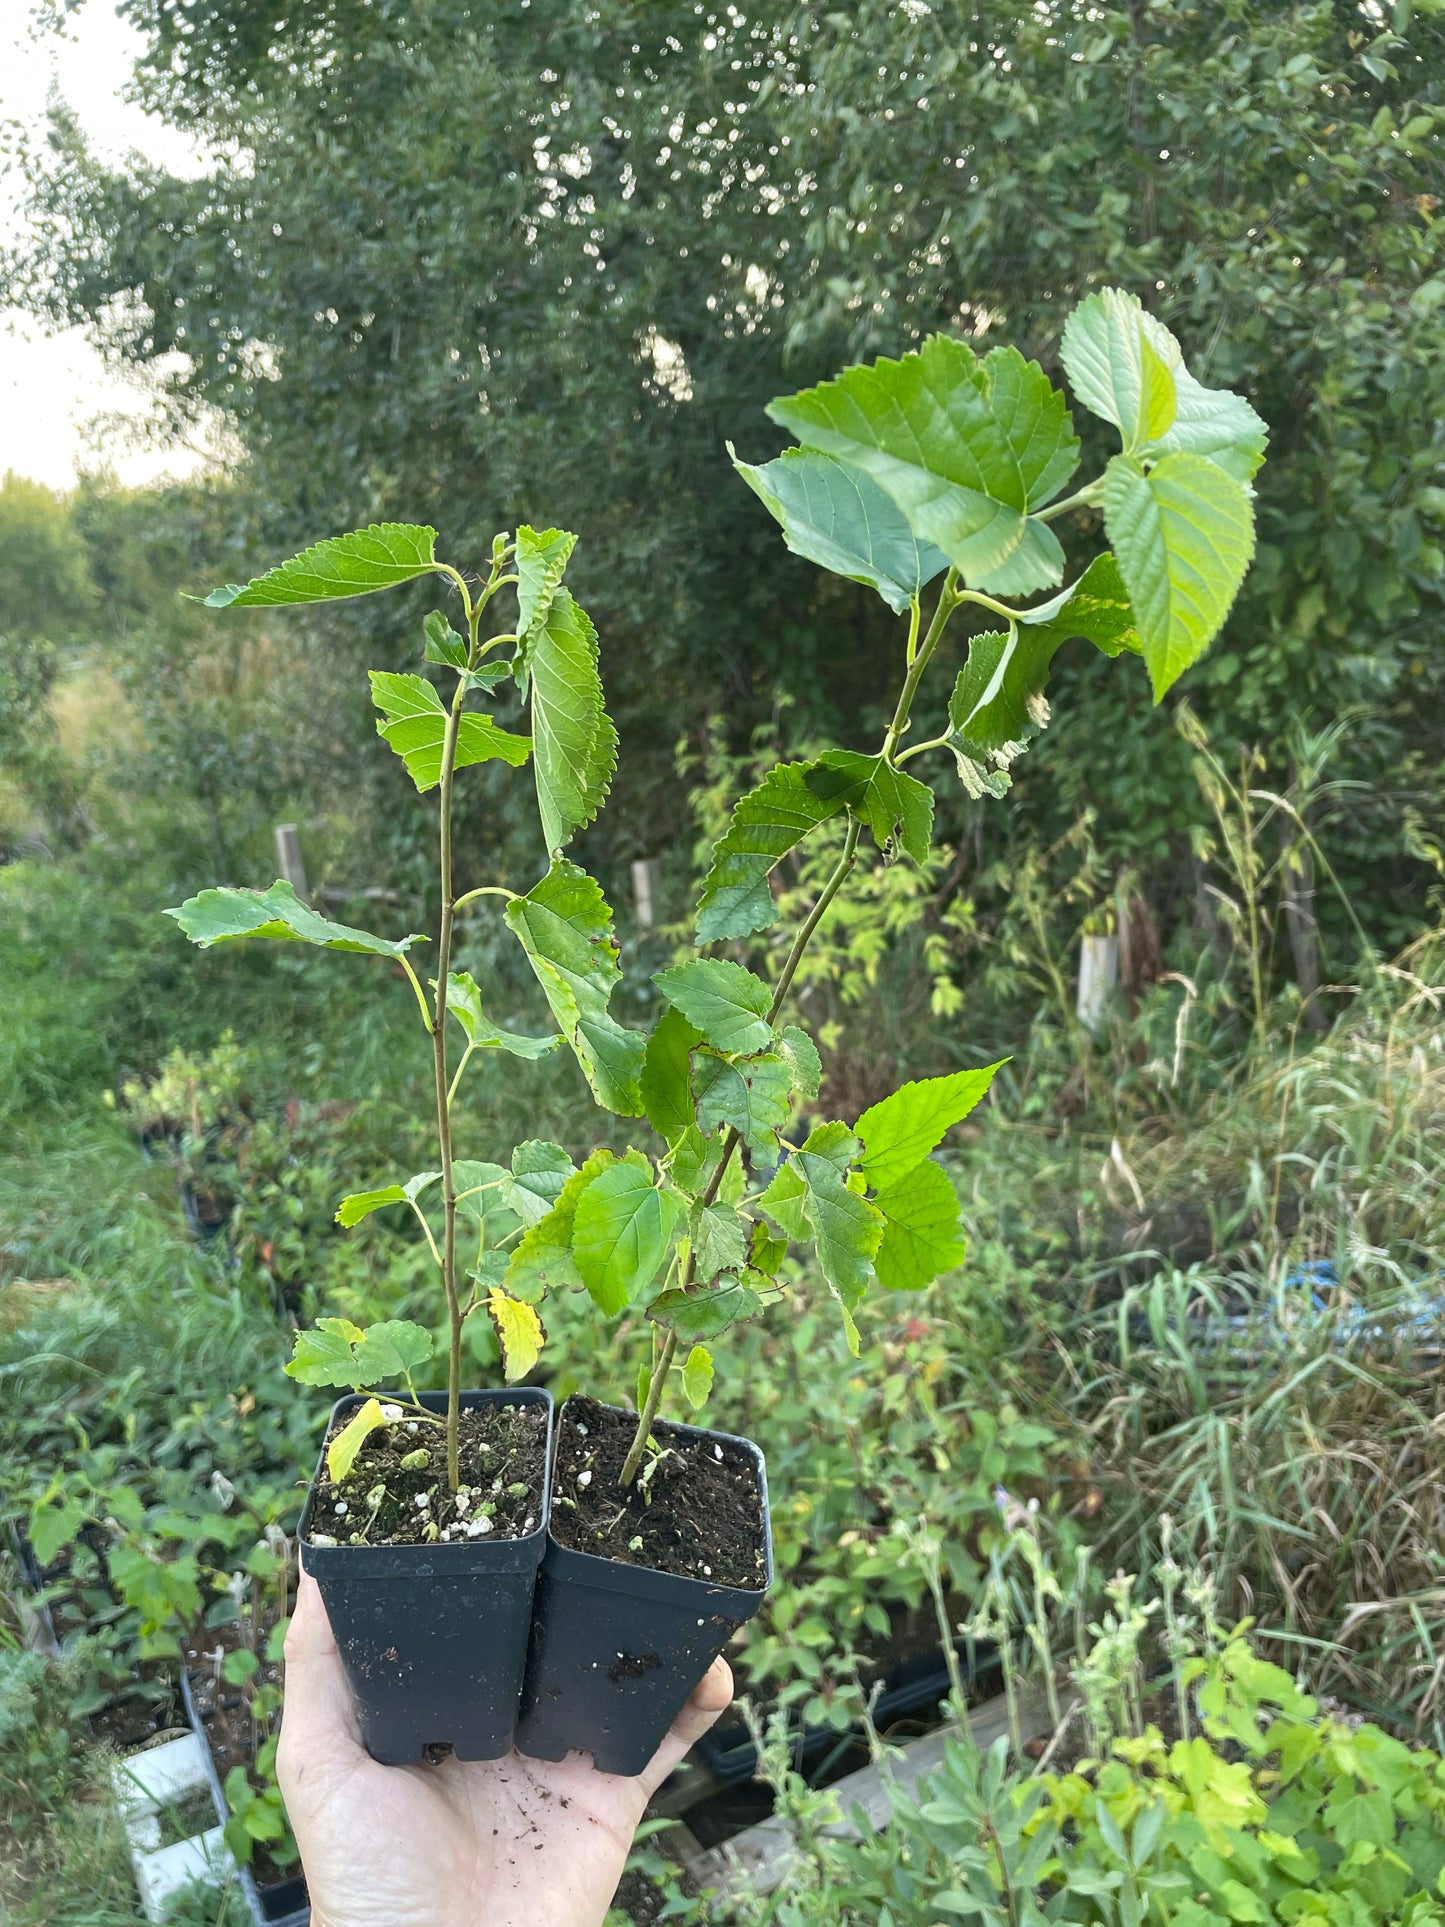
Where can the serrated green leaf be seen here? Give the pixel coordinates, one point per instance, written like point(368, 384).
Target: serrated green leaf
point(414, 722)
point(219, 916)
point(342, 1452)
point(326, 1355)
point(841, 519)
point(752, 1094)
point(539, 1172)
point(783, 1201)
point(922, 1235)
point(54, 1526)
point(361, 1204)
point(378, 557)
point(1183, 535)
point(574, 742)
point(464, 1001)
point(765, 1252)
point(695, 1315)
point(719, 1241)
point(1122, 364)
point(542, 557)
point(542, 1261)
point(479, 1193)
point(899, 1132)
point(1126, 366)
point(393, 1349)
point(520, 1332)
point(892, 804)
point(848, 1230)
point(565, 926)
point(697, 1376)
point(767, 823)
point(666, 1082)
point(956, 456)
point(623, 1226)
point(443, 644)
point(725, 1002)
point(801, 1052)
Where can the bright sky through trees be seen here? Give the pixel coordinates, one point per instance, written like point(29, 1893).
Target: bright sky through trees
point(58, 399)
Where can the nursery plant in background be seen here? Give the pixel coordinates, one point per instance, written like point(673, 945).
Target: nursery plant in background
point(940, 464)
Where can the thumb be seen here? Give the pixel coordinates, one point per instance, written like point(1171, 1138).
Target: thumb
point(318, 1725)
point(711, 1697)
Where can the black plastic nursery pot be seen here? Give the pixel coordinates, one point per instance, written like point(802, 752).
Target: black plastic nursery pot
point(618, 1648)
point(434, 1637)
point(283, 1903)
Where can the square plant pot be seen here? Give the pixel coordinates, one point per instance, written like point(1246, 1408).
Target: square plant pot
point(281, 1903)
point(434, 1637)
point(617, 1648)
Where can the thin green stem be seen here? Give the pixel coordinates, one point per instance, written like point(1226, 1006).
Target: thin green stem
point(982, 601)
point(405, 963)
point(457, 1078)
point(439, 1055)
point(483, 890)
point(918, 662)
point(494, 642)
point(426, 1229)
point(648, 1415)
point(934, 742)
point(1083, 499)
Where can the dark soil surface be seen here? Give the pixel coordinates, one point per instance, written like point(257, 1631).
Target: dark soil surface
point(385, 1503)
point(227, 1727)
point(697, 1512)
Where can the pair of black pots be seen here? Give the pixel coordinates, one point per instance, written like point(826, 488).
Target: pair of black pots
point(482, 1646)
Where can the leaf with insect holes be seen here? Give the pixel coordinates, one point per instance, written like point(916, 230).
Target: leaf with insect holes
point(414, 722)
point(326, 1355)
point(696, 1315)
point(379, 557)
point(727, 1003)
point(666, 1084)
point(697, 1376)
point(220, 916)
point(1183, 534)
point(443, 644)
point(395, 1348)
point(565, 927)
point(574, 741)
point(899, 1132)
point(752, 1094)
point(519, 1331)
point(967, 449)
point(542, 557)
point(361, 1204)
point(921, 1235)
point(539, 1171)
point(998, 699)
point(893, 805)
point(464, 1001)
point(766, 824)
point(719, 1240)
point(623, 1226)
point(542, 1261)
point(841, 519)
point(342, 1451)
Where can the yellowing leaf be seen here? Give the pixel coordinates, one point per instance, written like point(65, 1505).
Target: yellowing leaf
point(520, 1331)
point(342, 1451)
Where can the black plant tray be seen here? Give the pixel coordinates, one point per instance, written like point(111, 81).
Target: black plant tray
point(912, 1689)
point(283, 1905)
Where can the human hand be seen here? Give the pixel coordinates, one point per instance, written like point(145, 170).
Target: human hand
point(466, 1843)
